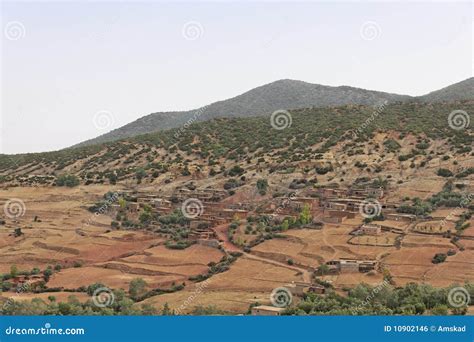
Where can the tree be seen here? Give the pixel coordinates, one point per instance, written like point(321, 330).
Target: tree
point(323, 269)
point(145, 217)
point(13, 271)
point(444, 173)
point(137, 288)
point(67, 180)
point(305, 215)
point(47, 273)
point(262, 186)
point(166, 311)
point(440, 310)
point(140, 174)
point(17, 232)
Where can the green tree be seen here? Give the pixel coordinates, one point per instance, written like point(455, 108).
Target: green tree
point(13, 271)
point(305, 215)
point(137, 288)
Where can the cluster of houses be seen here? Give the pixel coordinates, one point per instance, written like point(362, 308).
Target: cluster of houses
point(339, 204)
point(213, 211)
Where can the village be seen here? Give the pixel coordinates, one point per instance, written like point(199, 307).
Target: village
point(211, 216)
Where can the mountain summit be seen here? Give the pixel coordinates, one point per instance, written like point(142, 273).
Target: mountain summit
point(282, 94)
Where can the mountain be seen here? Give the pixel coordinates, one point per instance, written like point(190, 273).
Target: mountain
point(282, 94)
point(463, 90)
point(404, 138)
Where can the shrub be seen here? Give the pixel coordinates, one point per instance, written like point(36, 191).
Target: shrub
point(439, 258)
point(67, 180)
point(444, 173)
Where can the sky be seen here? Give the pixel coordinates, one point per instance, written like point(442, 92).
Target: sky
point(71, 71)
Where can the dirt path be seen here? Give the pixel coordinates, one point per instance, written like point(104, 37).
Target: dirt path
point(221, 232)
point(304, 272)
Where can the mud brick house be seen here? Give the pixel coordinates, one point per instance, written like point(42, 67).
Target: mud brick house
point(318, 289)
point(351, 266)
point(366, 192)
point(205, 195)
point(336, 206)
point(145, 198)
point(162, 205)
point(330, 192)
point(348, 266)
point(266, 310)
point(133, 207)
point(366, 266)
point(337, 216)
point(401, 217)
point(299, 289)
point(350, 204)
point(371, 229)
point(233, 213)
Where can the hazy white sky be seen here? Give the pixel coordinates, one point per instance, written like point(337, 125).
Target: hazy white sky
point(73, 71)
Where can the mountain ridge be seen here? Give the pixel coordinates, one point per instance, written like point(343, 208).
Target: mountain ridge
point(281, 94)
point(264, 99)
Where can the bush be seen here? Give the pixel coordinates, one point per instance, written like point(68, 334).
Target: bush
point(439, 258)
point(67, 180)
point(444, 173)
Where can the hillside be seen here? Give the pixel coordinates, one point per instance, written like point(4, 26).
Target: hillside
point(282, 94)
point(401, 133)
point(242, 208)
point(463, 90)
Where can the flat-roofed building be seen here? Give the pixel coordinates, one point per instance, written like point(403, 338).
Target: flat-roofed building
point(371, 229)
point(266, 310)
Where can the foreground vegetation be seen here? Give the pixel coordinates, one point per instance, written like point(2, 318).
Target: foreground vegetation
point(411, 299)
